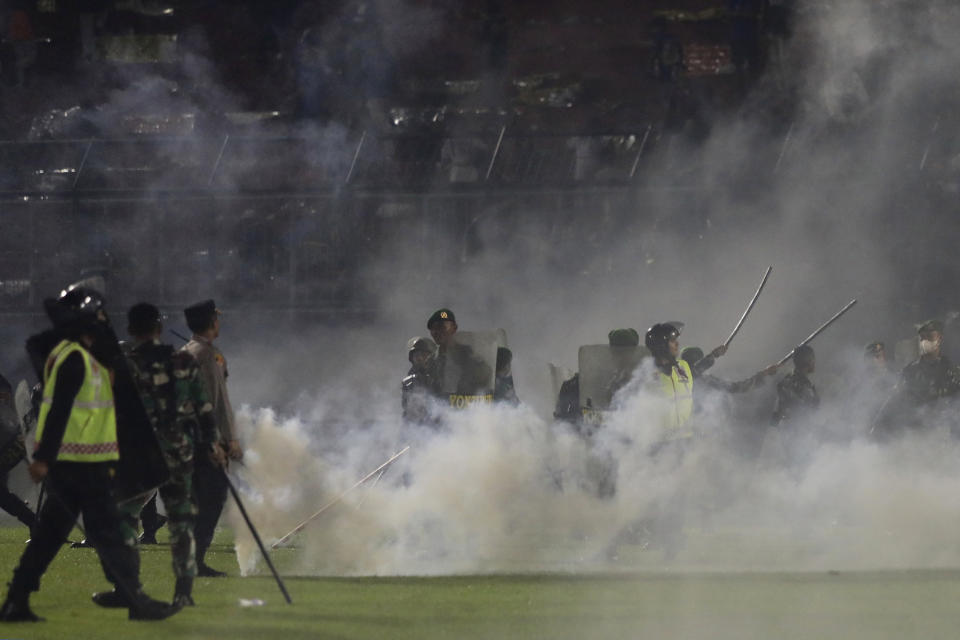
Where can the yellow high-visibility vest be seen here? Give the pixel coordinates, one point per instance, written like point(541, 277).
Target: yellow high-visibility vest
point(677, 390)
point(91, 433)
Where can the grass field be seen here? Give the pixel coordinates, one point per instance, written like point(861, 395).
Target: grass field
point(649, 604)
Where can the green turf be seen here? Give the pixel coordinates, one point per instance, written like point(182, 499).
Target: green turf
point(874, 605)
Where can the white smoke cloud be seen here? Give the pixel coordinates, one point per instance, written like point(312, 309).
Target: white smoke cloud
point(509, 490)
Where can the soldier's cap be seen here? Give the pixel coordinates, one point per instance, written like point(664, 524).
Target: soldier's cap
point(874, 348)
point(930, 325)
point(201, 314)
point(623, 338)
point(142, 318)
point(418, 343)
point(439, 315)
point(692, 355)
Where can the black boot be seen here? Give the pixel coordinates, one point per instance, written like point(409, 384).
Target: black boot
point(16, 608)
point(206, 571)
point(182, 592)
point(146, 608)
point(110, 599)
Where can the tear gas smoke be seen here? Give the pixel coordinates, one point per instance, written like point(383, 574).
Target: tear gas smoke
point(509, 490)
point(847, 213)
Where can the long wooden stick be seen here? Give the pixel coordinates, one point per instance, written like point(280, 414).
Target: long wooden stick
point(818, 331)
point(340, 497)
point(256, 536)
point(736, 329)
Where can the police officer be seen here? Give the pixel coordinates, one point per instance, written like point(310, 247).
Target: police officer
point(672, 384)
point(77, 453)
point(797, 397)
point(416, 389)
point(176, 401)
point(210, 481)
point(673, 381)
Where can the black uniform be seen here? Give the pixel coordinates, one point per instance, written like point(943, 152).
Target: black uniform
point(75, 488)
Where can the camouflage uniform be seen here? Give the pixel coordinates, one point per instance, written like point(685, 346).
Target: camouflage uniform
point(924, 381)
point(416, 396)
point(176, 401)
point(921, 398)
point(796, 396)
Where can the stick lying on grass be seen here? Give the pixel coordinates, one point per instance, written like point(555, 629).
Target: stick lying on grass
point(340, 497)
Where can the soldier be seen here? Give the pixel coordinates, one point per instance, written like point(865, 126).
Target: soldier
point(175, 399)
point(77, 455)
point(796, 395)
point(209, 478)
point(417, 387)
point(503, 387)
point(623, 359)
point(12, 451)
point(472, 372)
point(924, 383)
point(876, 379)
point(568, 407)
point(700, 363)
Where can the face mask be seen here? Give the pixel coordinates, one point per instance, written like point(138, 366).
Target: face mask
point(928, 347)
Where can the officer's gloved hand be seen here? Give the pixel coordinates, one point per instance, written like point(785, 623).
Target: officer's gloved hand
point(719, 351)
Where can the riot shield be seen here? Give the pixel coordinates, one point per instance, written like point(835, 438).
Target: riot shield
point(604, 370)
point(558, 375)
point(465, 370)
point(12, 449)
point(21, 400)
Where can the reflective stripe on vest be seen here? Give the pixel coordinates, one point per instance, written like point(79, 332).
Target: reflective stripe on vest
point(91, 433)
point(677, 389)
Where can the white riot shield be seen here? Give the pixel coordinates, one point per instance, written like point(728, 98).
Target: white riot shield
point(558, 375)
point(468, 367)
point(21, 400)
point(604, 370)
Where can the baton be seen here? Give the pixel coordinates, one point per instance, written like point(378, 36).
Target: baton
point(818, 331)
point(736, 329)
point(256, 536)
point(340, 497)
point(180, 335)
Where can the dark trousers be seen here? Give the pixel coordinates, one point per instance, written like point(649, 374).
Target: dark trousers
point(150, 517)
point(75, 488)
point(13, 505)
point(210, 488)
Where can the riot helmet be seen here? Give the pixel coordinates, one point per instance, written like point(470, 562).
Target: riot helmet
point(658, 339)
point(77, 308)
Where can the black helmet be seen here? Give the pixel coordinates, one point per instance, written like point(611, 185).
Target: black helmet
point(658, 336)
point(77, 306)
